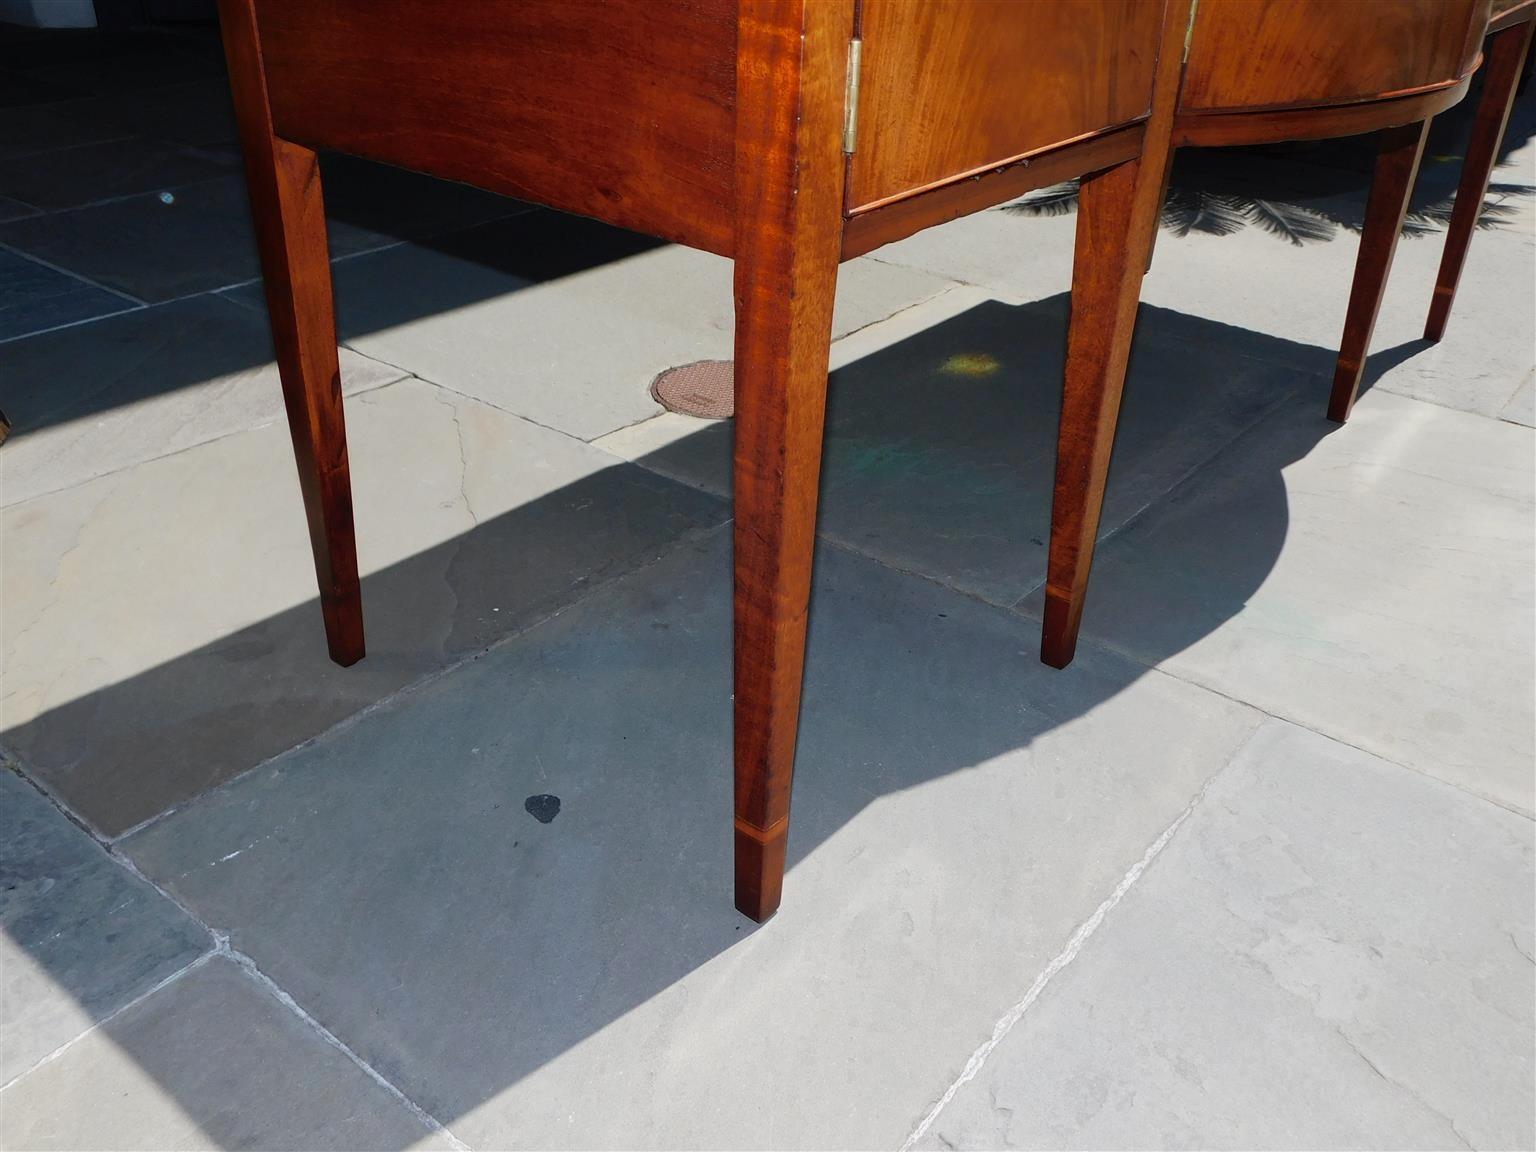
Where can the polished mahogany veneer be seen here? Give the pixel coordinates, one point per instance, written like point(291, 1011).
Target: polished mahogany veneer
point(952, 89)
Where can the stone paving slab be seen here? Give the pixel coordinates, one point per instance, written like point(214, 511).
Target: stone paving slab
point(73, 177)
point(1521, 408)
point(1301, 293)
point(34, 297)
point(959, 809)
point(157, 250)
point(1331, 953)
point(123, 63)
point(199, 113)
point(562, 320)
point(1372, 582)
point(941, 432)
point(1254, 281)
point(46, 127)
point(171, 53)
point(161, 627)
point(405, 205)
point(213, 1060)
point(142, 385)
point(18, 90)
point(80, 936)
point(14, 209)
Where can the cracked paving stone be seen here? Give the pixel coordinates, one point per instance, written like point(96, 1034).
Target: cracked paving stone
point(1334, 952)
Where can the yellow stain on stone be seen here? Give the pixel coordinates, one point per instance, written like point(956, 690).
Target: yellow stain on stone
point(972, 364)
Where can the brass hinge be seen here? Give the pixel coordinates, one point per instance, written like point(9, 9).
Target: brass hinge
point(1189, 29)
point(851, 105)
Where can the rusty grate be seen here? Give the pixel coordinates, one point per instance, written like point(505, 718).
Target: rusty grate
point(705, 388)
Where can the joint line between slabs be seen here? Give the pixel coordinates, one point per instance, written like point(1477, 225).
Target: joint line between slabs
point(1086, 929)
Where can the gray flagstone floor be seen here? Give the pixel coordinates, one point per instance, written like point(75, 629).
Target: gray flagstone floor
point(1257, 871)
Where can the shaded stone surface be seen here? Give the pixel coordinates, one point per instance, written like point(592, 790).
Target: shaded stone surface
point(46, 127)
point(82, 936)
point(34, 297)
point(157, 251)
point(14, 209)
point(197, 113)
point(212, 1060)
point(143, 385)
point(151, 655)
point(1372, 582)
point(959, 809)
point(1253, 280)
point(1332, 953)
point(73, 177)
point(941, 432)
point(563, 320)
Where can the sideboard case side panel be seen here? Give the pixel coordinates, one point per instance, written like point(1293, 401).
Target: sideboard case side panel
point(948, 89)
point(623, 110)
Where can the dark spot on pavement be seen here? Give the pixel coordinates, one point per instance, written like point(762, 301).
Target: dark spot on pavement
point(543, 807)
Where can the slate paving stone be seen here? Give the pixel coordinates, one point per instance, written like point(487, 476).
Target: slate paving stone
point(562, 320)
point(1521, 408)
point(1331, 953)
point(1256, 281)
point(111, 169)
point(1301, 293)
point(1372, 582)
point(199, 113)
point(941, 436)
point(405, 205)
point(142, 385)
point(157, 250)
point(49, 127)
point(115, 65)
point(82, 936)
point(14, 209)
point(18, 90)
point(161, 627)
point(959, 809)
point(34, 297)
point(213, 1060)
point(169, 47)
point(201, 239)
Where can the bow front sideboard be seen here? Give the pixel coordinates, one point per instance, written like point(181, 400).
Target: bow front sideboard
point(790, 135)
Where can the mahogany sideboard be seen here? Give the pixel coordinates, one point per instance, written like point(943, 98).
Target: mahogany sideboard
point(788, 135)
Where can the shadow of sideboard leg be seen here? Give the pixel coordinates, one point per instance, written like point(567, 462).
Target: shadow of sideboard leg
point(1114, 242)
point(1504, 61)
point(289, 216)
point(1397, 167)
point(789, 192)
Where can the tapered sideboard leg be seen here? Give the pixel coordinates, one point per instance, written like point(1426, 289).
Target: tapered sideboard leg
point(1504, 60)
point(289, 215)
point(789, 188)
point(1162, 199)
point(1114, 243)
point(1397, 167)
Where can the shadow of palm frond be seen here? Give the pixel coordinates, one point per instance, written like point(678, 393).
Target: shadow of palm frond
point(1221, 212)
